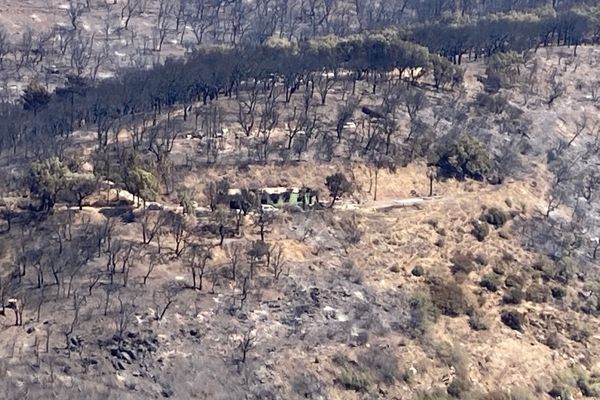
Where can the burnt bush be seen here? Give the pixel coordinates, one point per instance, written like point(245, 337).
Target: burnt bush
point(352, 272)
point(437, 394)
point(417, 271)
point(480, 230)
point(513, 296)
point(499, 269)
point(449, 298)
point(514, 281)
point(462, 263)
point(307, 386)
point(537, 293)
point(560, 392)
point(381, 365)
point(478, 323)
point(494, 216)
point(513, 319)
point(490, 281)
point(415, 314)
point(558, 292)
point(552, 341)
point(497, 395)
point(481, 259)
point(459, 387)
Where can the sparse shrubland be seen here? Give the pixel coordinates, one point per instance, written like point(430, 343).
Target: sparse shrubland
point(232, 199)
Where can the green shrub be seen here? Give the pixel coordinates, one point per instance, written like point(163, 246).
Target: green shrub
point(521, 394)
point(422, 313)
point(513, 319)
point(418, 271)
point(587, 388)
point(414, 313)
point(462, 157)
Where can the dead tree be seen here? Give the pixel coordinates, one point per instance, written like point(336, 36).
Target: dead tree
point(181, 229)
point(74, 12)
point(153, 261)
point(123, 317)
point(277, 260)
point(151, 222)
point(234, 252)
point(247, 343)
point(163, 23)
point(247, 111)
point(202, 18)
point(78, 301)
point(198, 257)
point(325, 83)
point(164, 298)
point(130, 9)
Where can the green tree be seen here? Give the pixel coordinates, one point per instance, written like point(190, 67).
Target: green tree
point(444, 72)
point(463, 157)
point(142, 184)
point(46, 179)
point(81, 186)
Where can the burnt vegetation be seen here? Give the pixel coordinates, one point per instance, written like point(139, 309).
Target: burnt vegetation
point(201, 198)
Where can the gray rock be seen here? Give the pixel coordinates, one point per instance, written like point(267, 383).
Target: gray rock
point(125, 357)
point(117, 364)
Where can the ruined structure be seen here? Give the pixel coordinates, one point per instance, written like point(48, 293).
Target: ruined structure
point(276, 196)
